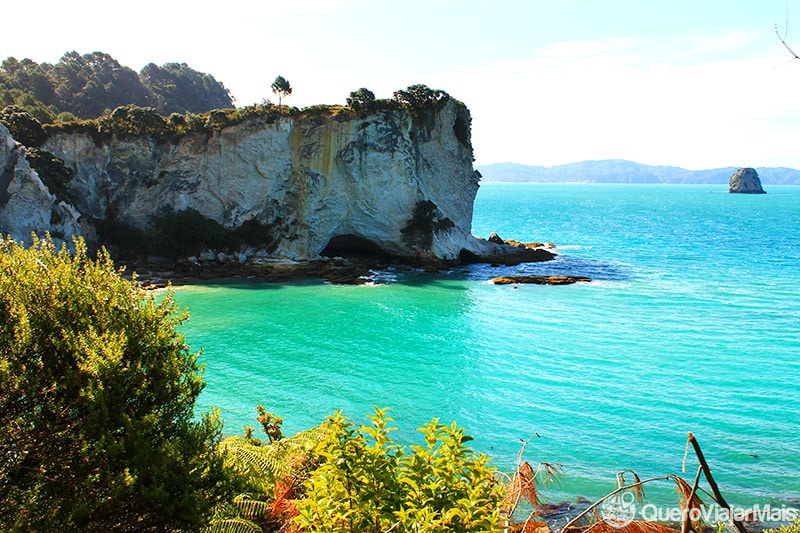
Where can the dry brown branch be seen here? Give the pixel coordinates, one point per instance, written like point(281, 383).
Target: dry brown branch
point(637, 526)
point(518, 486)
point(690, 504)
point(637, 488)
point(552, 471)
point(686, 521)
point(525, 485)
point(571, 523)
point(782, 38)
point(713, 484)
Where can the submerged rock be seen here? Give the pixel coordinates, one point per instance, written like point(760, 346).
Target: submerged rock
point(540, 280)
point(746, 181)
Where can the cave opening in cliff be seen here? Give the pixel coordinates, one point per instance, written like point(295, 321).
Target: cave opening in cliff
point(354, 246)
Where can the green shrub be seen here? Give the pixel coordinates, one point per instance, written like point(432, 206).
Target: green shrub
point(38, 110)
point(362, 100)
point(122, 239)
point(462, 127)
point(97, 393)
point(424, 222)
point(367, 483)
point(217, 119)
point(176, 120)
point(420, 99)
point(66, 123)
point(791, 528)
point(271, 476)
point(22, 126)
point(132, 120)
point(53, 172)
point(176, 234)
point(256, 234)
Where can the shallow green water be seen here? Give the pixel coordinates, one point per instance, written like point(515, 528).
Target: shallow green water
point(692, 324)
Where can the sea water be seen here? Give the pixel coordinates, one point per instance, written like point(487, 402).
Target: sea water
point(691, 323)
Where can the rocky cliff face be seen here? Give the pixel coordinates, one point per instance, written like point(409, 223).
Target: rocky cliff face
point(26, 204)
point(746, 180)
point(388, 182)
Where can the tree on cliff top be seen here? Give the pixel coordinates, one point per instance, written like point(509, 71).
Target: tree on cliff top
point(362, 100)
point(420, 98)
point(89, 84)
point(281, 88)
point(177, 88)
point(97, 391)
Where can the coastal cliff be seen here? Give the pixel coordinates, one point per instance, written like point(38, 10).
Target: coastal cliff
point(319, 182)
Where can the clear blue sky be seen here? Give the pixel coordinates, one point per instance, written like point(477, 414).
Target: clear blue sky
point(692, 83)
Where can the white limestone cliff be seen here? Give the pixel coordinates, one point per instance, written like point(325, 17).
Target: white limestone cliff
point(403, 185)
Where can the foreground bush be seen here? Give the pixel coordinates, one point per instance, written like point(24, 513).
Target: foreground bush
point(791, 528)
point(369, 483)
point(348, 478)
point(97, 390)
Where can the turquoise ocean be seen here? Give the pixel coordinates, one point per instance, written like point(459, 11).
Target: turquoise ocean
point(692, 323)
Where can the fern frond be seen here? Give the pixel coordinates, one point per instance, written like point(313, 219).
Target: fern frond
point(277, 459)
point(250, 508)
point(233, 525)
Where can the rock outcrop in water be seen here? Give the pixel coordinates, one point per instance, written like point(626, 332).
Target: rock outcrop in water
point(390, 182)
point(746, 181)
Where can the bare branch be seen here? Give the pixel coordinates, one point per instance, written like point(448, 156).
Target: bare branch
point(782, 38)
point(586, 511)
point(713, 484)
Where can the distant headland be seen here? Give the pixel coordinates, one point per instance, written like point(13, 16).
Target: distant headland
point(623, 171)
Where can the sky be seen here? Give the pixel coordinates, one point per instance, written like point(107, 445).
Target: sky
point(692, 83)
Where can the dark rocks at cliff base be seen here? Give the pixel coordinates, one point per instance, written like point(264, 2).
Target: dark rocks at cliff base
point(495, 238)
point(496, 250)
point(540, 280)
point(746, 181)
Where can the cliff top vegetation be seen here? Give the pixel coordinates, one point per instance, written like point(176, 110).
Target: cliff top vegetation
point(90, 85)
point(131, 119)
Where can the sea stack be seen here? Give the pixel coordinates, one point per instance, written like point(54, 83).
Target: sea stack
point(746, 181)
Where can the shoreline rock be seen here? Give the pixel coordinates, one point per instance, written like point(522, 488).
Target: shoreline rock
point(506, 252)
point(347, 269)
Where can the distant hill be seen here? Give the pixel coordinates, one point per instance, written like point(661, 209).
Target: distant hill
point(622, 171)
